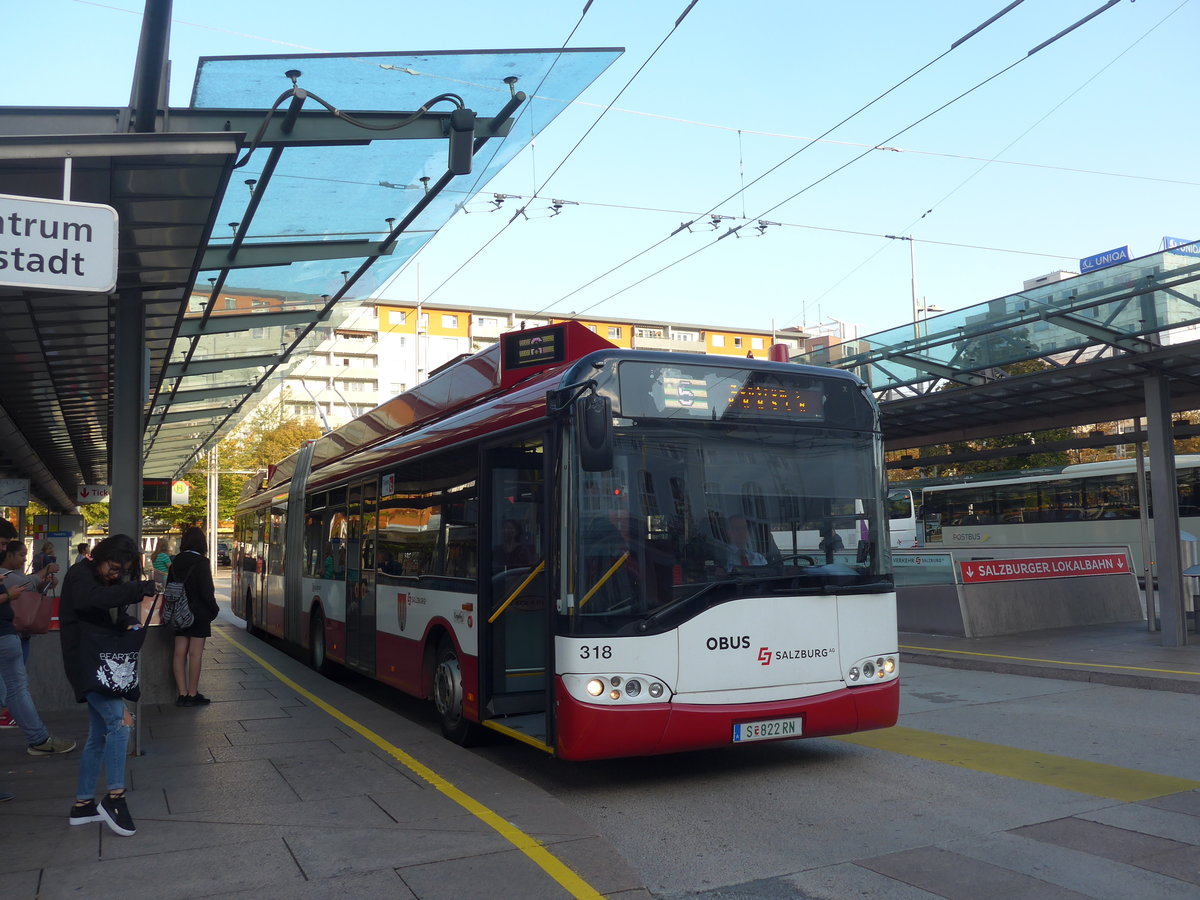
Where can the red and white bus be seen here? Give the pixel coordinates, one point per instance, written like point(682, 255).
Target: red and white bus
point(541, 538)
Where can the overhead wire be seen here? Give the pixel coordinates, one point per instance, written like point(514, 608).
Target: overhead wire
point(735, 229)
point(571, 152)
point(809, 143)
point(471, 191)
point(994, 158)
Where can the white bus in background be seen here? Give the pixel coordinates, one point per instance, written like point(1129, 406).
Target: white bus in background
point(903, 503)
point(1089, 503)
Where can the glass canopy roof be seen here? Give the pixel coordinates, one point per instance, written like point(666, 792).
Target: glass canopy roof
point(329, 192)
point(319, 202)
point(1133, 306)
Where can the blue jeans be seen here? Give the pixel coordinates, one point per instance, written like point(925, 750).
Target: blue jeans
point(16, 682)
point(107, 743)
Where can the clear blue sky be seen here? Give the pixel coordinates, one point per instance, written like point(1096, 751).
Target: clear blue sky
point(1094, 140)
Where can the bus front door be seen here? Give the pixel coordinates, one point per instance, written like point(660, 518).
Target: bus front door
point(360, 577)
point(514, 645)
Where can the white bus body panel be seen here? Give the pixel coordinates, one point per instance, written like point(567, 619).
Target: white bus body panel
point(772, 648)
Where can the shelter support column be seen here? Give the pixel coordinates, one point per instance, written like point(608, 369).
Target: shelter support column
point(1163, 493)
point(129, 410)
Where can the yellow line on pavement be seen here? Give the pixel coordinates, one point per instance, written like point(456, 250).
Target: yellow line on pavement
point(1096, 779)
point(1057, 662)
point(547, 861)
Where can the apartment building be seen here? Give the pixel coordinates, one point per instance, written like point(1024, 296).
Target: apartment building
point(383, 348)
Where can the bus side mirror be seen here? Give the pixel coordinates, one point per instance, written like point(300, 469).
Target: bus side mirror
point(594, 432)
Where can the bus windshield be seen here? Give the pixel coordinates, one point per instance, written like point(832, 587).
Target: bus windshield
point(688, 518)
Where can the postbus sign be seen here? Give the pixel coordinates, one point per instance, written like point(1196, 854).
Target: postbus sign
point(57, 245)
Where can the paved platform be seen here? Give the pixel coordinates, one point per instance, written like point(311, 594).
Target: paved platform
point(291, 786)
point(1126, 655)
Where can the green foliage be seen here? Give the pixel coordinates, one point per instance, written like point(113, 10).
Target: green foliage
point(266, 436)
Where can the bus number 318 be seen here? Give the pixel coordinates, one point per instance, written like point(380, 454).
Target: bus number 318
point(596, 651)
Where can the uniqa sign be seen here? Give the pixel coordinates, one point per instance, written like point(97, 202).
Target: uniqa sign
point(1104, 260)
point(57, 245)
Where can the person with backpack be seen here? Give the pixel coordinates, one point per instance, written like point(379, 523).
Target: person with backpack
point(191, 569)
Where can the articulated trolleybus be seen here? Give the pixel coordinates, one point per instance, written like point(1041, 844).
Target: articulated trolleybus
point(600, 552)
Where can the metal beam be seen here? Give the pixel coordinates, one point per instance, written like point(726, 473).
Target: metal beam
point(236, 322)
point(316, 127)
point(1164, 496)
point(199, 395)
point(1100, 333)
point(938, 369)
point(58, 146)
point(189, 415)
point(319, 127)
point(284, 253)
point(224, 364)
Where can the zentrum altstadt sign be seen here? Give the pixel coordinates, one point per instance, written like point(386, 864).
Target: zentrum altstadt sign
point(57, 245)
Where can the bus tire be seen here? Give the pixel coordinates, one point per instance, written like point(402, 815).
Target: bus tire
point(316, 642)
point(448, 697)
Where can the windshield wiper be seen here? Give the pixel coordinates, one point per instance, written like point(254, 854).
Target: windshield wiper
point(645, 624)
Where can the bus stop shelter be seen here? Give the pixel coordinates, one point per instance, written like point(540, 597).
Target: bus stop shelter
point(289, 190)
point(1122, 342)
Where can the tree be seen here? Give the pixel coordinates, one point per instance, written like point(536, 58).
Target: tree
point(265, 437)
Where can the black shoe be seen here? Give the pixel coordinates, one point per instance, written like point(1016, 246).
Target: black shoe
point(198, 699)
point(185, 700)
point(115, 814)
point(81, 815)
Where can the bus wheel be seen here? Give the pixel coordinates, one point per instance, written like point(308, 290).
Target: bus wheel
point(448, 697)
point(316, 642)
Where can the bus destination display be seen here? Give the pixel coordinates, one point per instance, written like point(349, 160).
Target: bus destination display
point(658, 391)
point(534, 348)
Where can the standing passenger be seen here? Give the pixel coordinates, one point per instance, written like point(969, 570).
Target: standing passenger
point(92, 591)
point(161, 561)
point(191, 568)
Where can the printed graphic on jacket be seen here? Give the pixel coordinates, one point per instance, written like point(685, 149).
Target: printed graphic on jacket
point(118, 671)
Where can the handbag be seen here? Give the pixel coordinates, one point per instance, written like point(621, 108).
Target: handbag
point(110, 657)
point(32, 612)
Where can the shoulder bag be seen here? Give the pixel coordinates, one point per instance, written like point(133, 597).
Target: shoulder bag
point(109, 657)
point(32, 612)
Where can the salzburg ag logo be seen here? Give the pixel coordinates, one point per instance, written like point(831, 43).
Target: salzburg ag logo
point(764, 655)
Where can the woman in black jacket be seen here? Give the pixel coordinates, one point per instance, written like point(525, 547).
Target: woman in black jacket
point(191, 568)
point(92, 592)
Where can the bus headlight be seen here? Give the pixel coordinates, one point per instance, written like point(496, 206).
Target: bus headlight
point(611, 689)
point(872, 670)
